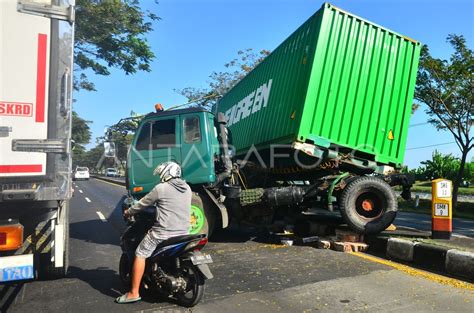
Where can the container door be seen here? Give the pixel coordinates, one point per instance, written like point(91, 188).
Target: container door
point(36, 53)
point(24, 74)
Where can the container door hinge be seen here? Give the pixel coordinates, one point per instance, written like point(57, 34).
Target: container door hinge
point(37, 145)
point(65, 13)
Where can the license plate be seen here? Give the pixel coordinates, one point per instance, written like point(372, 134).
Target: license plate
point(17, 267)
point(201, 259)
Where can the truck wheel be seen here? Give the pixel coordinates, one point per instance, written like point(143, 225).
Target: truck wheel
point(202, 217)
point(368, 205)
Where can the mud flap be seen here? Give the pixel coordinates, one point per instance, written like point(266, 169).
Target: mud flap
point(206, 272)
point(59, 245)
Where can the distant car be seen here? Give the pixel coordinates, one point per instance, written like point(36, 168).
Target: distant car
point(111, 172)
point(81, 173)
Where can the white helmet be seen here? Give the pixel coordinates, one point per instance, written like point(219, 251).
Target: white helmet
point(167, 171)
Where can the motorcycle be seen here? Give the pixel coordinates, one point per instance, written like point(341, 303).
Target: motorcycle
point(177, 268)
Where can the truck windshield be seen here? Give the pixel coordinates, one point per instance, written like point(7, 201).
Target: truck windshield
point(157, 135)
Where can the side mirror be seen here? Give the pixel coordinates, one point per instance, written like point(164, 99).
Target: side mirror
point(109, 149)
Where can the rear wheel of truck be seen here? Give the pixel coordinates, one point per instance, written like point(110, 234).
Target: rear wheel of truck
point(202, 216)
point(368, 205)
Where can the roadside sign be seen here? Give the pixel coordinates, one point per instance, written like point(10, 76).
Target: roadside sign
point(443, 189)
point(441, 209)
point(441, 206)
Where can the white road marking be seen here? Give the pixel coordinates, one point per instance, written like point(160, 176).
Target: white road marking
point(101, 216)
point(88, 200)
point(80, 190)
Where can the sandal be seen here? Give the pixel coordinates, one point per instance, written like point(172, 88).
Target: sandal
point(123, 299)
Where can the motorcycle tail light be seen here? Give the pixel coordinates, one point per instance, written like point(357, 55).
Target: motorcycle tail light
point(197, 245)
point(201, 243)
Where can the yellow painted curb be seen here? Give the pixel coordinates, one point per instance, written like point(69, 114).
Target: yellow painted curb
point(418, 273)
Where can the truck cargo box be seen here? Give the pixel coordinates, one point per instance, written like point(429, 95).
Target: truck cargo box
point(338, 82)
point(36, 42)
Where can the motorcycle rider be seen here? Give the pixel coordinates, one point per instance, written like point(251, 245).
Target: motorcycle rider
point(172, 199)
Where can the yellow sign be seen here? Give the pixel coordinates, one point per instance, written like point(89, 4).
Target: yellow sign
point(441, 195)
point(390, 135)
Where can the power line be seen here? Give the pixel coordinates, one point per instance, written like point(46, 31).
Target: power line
point(435, 145)
point(418, 124)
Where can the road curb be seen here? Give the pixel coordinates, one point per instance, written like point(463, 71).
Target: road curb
point(400, 249)
point(460, 263)
point(109, 180)
point(427, 256)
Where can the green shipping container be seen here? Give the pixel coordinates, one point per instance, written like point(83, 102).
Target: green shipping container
point(337, 81)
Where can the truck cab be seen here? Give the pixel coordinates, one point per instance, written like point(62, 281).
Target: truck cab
point(186, 136)
point(190, 138)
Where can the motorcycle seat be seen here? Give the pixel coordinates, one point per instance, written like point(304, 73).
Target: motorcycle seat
point(178, 239)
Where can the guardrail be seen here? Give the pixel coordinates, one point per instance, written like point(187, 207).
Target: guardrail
point(115, 180)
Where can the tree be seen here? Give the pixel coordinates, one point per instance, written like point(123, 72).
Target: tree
point(81, 134)
point(223, 81)
point(469, 171)
point(445, 166)
point(446, 88)
point(121, 134)
point(111, 33)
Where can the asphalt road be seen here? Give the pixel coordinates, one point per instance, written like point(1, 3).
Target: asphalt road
point(462, 227)
point(250, 274)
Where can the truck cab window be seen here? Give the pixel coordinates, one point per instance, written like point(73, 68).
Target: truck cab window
point(192, 131)
point(143, 140)
point(163, 134)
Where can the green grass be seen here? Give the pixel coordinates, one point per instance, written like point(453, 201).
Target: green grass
point(425, 186)
point(464, 209)
point(462, 190)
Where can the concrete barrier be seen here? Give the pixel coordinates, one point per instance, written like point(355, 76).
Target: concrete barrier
point(460, 263)
point(400, 249)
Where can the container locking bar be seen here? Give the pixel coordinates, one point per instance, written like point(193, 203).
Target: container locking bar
point(5, 131)
point(52, 11)
point(37, 145)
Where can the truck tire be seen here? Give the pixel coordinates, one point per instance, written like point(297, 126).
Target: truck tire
point(368, 205)
point(202, 216)
point(50, 270)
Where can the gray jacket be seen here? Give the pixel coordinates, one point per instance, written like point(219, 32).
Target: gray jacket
point(172, 200)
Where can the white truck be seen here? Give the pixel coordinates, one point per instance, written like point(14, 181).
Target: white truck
point(36, 55)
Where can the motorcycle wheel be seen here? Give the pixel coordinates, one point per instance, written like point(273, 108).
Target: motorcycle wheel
point(125, 270)
point(194, 286)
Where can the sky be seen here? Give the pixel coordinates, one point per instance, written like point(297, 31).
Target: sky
point(194, 38)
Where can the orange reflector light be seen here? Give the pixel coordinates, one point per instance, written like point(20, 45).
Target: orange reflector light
point(158, 107)
point(11, 237)
point(137, 189)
